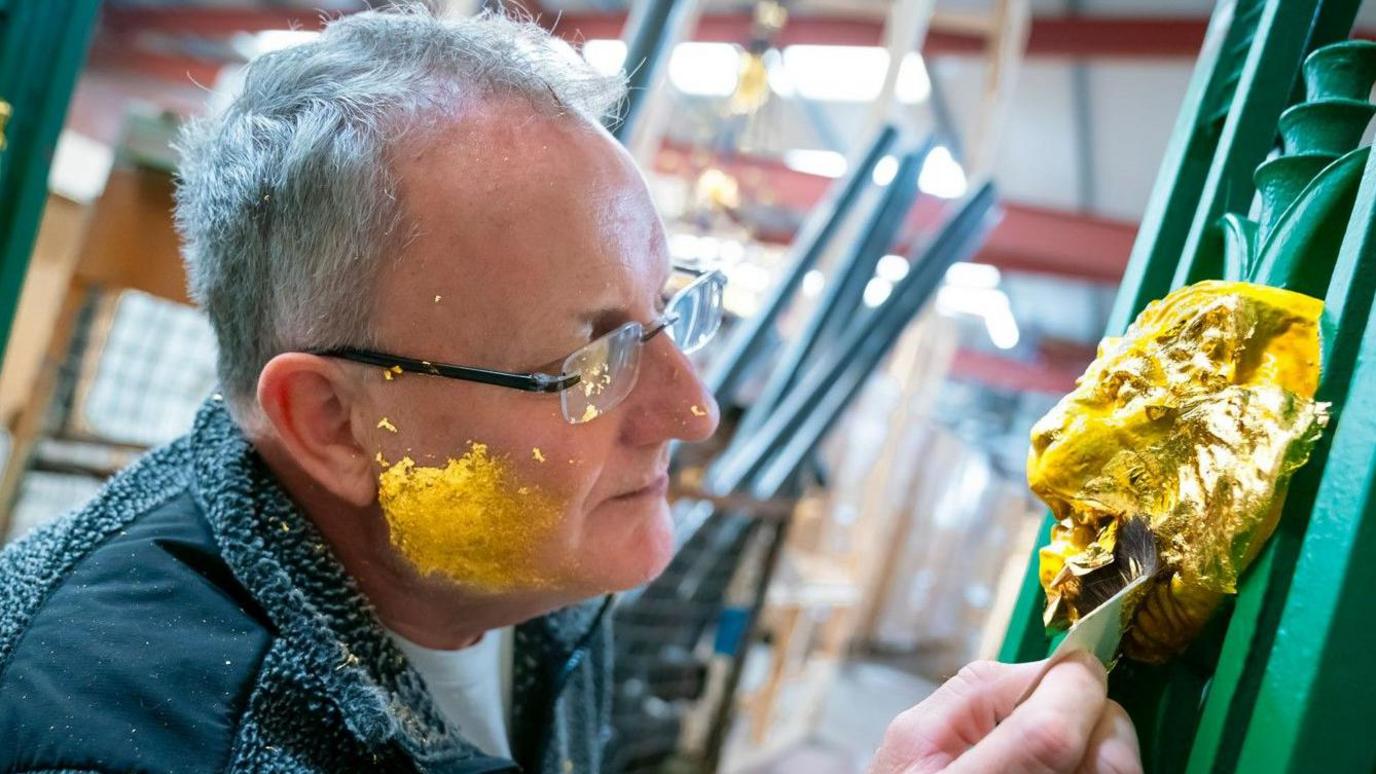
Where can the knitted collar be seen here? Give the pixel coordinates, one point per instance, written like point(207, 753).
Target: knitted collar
point(284, 562)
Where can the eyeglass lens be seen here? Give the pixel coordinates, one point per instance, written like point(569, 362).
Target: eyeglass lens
point(607, 368)
point(696, 313)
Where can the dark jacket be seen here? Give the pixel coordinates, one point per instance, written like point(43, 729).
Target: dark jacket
point(190, 618)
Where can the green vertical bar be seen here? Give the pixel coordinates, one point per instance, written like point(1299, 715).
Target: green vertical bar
point(1166, 224)
point(1315, 708)
point(43, 48)
point(1026, 638)
point(1225, 721)
point(1174, 203)
point(1264, 89)
point(1315, 630)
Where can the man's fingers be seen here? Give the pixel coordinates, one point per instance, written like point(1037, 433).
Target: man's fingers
point(931, 734)
point(1051, 730)
point(979, 697)
point(1113, 746)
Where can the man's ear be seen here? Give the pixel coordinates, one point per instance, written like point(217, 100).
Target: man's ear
point(306, 400)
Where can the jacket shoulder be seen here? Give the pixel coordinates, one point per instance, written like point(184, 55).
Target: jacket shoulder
point(139, 654)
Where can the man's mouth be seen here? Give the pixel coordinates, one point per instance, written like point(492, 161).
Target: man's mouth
point(656, 487)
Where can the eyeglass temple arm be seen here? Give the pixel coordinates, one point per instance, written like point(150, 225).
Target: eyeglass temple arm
point(527, 382)
point(664, 322)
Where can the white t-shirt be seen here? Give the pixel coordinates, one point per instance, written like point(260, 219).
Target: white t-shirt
point(470, 686)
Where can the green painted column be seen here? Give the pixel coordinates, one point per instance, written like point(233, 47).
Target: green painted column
point(42, 49)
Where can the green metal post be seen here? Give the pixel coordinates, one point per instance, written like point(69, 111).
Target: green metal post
point(42, 48)
point(1161, 238)
point(1264, 87)
point(1313, 706)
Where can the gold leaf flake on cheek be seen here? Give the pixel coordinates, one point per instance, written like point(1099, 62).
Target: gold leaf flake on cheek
point(385, 424)
point(471, 521)
point(590, 413)
point(537, 455)
point(391, 373)
point(697, 410)
point(437, 299)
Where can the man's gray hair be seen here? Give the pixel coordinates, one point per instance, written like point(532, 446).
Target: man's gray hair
point(286, 202)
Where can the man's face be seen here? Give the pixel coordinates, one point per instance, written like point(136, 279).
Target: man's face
point(530, 237)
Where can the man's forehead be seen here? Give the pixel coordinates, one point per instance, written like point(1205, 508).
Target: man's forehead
point(555, 199)
point(550, 223)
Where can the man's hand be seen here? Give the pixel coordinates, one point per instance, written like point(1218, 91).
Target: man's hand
point(971, 724)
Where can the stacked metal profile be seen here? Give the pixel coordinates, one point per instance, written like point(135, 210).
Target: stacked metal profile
point(810, 384)
point(1282, 681)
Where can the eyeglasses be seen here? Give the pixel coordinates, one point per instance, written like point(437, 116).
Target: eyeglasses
point(599, 375)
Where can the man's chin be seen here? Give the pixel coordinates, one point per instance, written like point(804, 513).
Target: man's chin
point(639, 554)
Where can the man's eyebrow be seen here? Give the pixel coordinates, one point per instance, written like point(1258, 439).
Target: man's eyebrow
point(613, 311)
point(604, 314)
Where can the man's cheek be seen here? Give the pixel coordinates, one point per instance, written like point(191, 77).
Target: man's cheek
point(478, 520)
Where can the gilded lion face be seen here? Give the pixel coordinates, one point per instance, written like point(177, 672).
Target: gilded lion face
point(1194, 419)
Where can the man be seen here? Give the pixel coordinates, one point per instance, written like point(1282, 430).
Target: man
point(450, 381)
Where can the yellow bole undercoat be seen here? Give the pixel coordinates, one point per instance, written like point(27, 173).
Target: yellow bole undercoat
point(471, 521)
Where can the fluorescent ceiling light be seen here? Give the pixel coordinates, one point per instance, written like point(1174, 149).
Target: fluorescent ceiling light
point(877, 292)
point(884, 170)
point(816, 162)
point(892, 268)
point(988, 303)
point(251, 45)
point(914, 85)
point(973, 275)
point(840, 73)
point(705, 69)
point(847, 74)
point(276, 40)
point(837, 73)
point(747, 276)
point(684, 246)
point(780, 82)
point(1002, 327)
point(605, 56)
point(942, 175)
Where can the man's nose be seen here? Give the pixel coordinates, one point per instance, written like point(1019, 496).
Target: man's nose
point(669, 401)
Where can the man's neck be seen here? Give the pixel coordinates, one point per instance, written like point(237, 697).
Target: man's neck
point(429, 611)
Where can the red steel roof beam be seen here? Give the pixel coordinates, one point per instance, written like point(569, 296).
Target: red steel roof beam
point(210, 22)
point(1028, 238)
point(1050, 36)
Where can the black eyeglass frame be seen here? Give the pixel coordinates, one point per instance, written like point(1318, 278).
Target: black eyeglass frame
point(529, 382)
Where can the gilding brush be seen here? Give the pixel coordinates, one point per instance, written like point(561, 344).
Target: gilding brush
point(1110, 593)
